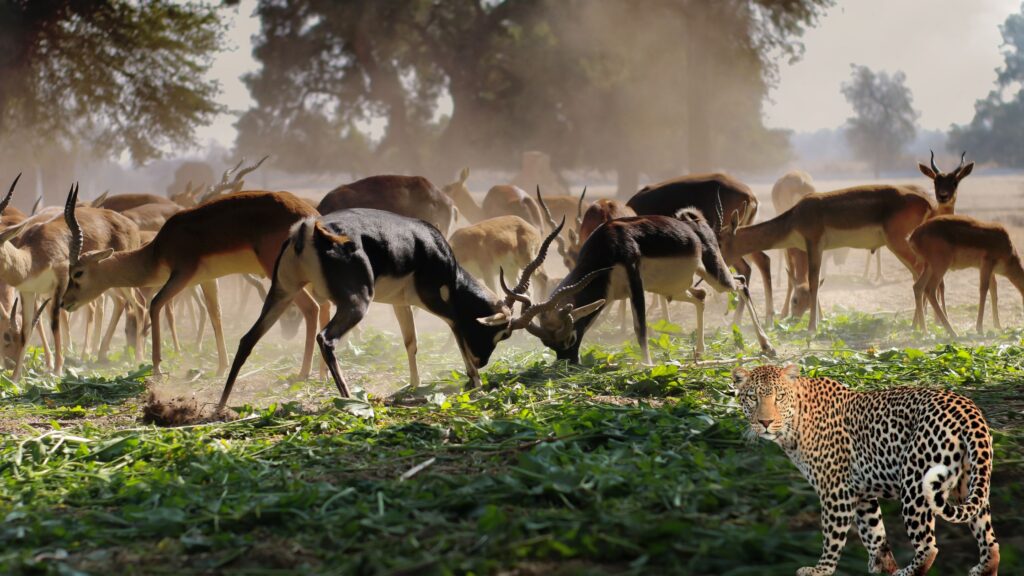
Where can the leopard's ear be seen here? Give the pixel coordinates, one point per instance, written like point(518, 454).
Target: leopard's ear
point(740, 375)
point(791, 371)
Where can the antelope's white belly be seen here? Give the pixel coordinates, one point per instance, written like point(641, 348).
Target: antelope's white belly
point(869, 238)
point(666, 276)
point(396, 291)
point(44, 283)
point(227, 263)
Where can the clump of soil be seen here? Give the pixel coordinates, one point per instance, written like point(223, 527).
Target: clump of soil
point(180, 411)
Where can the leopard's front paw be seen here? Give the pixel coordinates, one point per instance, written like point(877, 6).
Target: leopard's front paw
point(815, 571)
point(883, 563)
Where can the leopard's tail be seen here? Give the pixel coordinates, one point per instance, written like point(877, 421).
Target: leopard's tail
point(939, 480)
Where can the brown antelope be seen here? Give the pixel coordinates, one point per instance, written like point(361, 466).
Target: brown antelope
point(715, 195)
point(952, 242)
point(660, 254)
point(353, 257)
point(411, 196)
point(34, 258)
point(234, 234)
point(122, 202)
point(506, 243)
point(867, 217)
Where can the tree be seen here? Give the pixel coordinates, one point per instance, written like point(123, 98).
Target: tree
point(595, 84)
point(116, 75)
point(996, 133)
point(885, 120)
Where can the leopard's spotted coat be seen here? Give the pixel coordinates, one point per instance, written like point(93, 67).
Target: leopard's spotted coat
point(918, 445)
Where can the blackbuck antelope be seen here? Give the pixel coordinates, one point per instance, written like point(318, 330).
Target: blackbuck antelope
point(715, 195)
point(240, 233)
point(34, 258)
point(354, 257)
point(410, 196)
point(951, 242)
point(946, 183)
point(500, 200)
point(506, 243)
point(233, 180)
point(660, 254)
point(866, 217)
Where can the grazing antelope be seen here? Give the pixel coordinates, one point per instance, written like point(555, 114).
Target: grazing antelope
point(234, 234)
point(354, 257)
point(867, 217)
point(950, 242)
point(715, 195)
point(410, 196)
point(661, 254)
point(34, 258)
point(503, 243)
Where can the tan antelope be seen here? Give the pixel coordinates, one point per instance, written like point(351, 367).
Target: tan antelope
point(950, 242)
point(866, 217)
point(34, 258)
point(715, 196)
point(234, 234)
point(500, 200)
point(122, 202)
point(506, 243)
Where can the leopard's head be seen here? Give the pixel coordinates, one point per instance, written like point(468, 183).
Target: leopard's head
point(768, 396)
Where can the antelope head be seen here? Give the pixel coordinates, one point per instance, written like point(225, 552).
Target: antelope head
point(946, 182)
point(228, 184)
point(84, 282)
point(458, 191)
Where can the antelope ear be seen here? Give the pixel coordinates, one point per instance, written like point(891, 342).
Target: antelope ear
point(791, 370)
point(740, 375)
point(583, 311)
point(965, 171)
point(10, 233)
point(734, 221)
point(498, 319)
point(926, 170)
point(96, 256)
point(464, 175)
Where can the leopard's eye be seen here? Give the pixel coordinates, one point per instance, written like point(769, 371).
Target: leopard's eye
point(780, 393)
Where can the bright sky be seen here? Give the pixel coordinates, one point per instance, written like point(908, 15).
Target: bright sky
point(949, 50)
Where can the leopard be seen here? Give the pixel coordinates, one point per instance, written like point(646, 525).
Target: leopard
point(931, 449)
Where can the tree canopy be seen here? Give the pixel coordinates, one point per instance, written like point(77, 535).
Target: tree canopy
point(117, 75)
point(996, 133)
point(885, 120)
point(602, 85)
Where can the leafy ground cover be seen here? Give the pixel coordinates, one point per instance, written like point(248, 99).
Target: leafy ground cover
point(609, 467)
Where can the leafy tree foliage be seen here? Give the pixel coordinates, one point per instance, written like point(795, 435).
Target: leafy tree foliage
point(885, 120)
point(596, 84)
point(118, 75)
point(996, 133)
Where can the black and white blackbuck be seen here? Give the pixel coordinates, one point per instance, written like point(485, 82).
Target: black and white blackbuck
point(659, 254)
point(354, 257)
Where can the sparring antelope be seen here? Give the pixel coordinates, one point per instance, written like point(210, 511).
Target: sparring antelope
point(234, 234)
point(715, 195)
point(411, 196)
point(354, 257)
point(34, 258)
point(506, 243)
point(660, 254)
point(950, 242)
point(867, 217)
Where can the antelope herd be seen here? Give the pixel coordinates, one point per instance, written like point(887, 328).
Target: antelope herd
point(402, 241)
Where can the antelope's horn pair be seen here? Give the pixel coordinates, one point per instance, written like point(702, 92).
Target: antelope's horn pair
point(517, 294)
point(75, 248)
point(554, 301)
point(562, 248)
point(238, 172)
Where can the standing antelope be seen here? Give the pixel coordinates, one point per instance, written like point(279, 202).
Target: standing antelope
point(868, 217)
point(235, 234)
point(715, 195)
point(957, 242)
point(946, 183)
point(500, 200)
point(34, 258)
point(661, 254)
point(410, 196)
point(354, 257)
point(504, 243)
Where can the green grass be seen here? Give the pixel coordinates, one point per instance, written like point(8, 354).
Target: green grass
point(609, 467)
